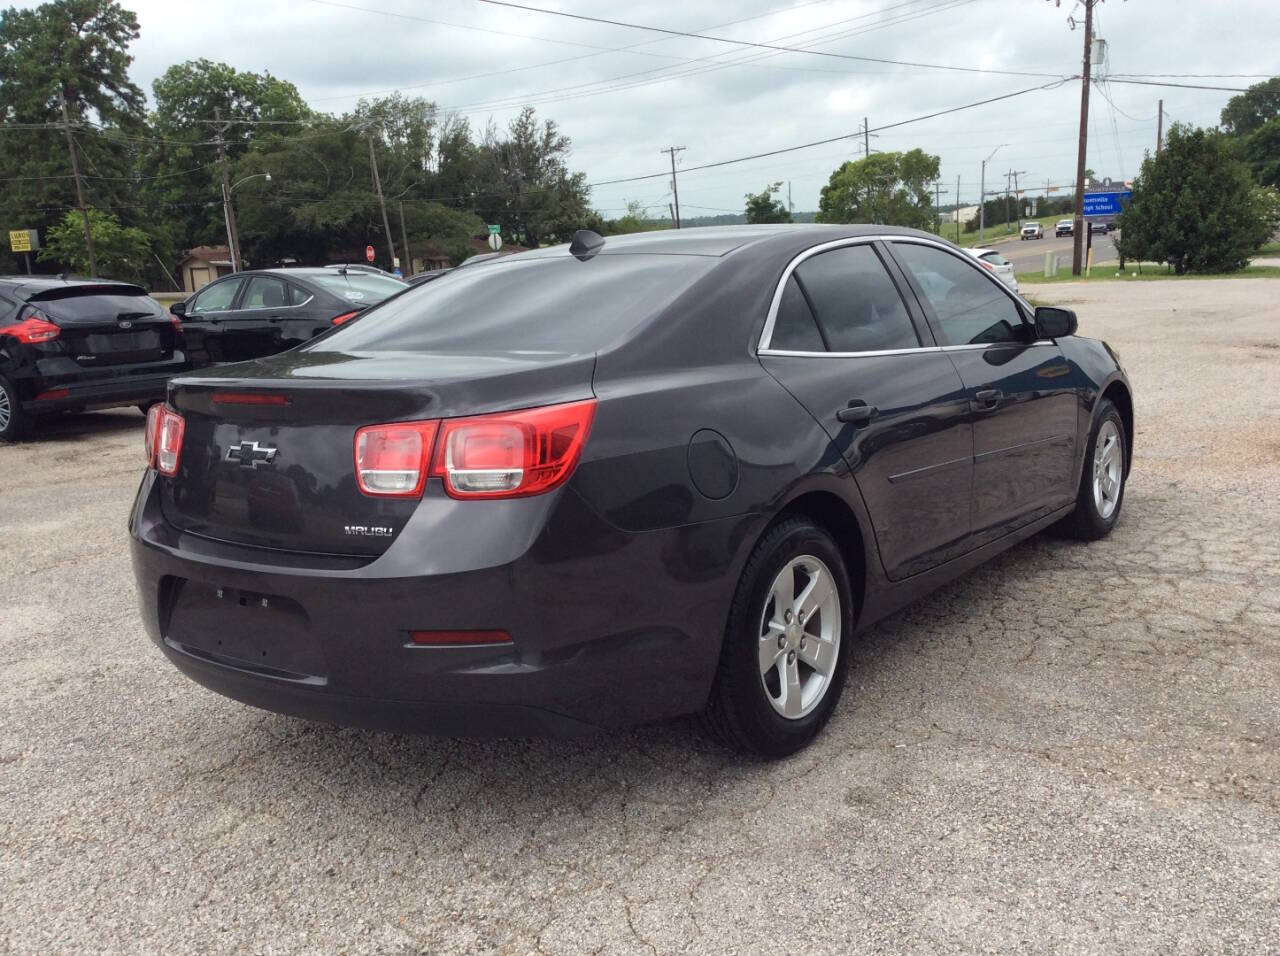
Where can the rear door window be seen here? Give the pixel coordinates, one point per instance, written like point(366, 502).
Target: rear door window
point(856, 304)
point(216, 297)
point(297, 294)
point(264, 292)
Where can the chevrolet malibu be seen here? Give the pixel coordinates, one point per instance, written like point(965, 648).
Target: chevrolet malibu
point(618, 481)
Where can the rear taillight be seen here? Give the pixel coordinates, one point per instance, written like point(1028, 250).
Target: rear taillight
point(164, 439)
point(512, 454)
point(345, 317)
point(391, 460)
point(34, 328)
point(989, 266)
point(149, 439)
point(458, 638)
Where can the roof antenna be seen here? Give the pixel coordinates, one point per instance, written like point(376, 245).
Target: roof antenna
point(586, 244)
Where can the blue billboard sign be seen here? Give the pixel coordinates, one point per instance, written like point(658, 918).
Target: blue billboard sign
point(1106, 204)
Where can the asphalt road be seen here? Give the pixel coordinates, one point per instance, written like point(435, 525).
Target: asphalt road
point(1028, 255)
point(1073, 749)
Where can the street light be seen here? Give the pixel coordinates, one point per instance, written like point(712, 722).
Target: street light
point(982, 194)
point(229, 216)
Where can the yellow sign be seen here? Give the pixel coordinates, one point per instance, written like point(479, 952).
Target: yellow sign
point(20, 240)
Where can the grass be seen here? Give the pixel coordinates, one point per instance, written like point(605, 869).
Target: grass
point(1270, 249)
point(1151, 272)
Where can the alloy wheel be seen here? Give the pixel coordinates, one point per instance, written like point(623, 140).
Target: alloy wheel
point(799, 636)
point(6, 410)
point(1108, 469)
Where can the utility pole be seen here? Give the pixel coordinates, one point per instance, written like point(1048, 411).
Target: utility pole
point(382, 202)
point(1077, 237)
point(404, 244)
point(937, 204)
point(982, 194)
point(1159, 125)
point(866, 138)
point(675, 191)
point(75, 170)
point(957, 209)
point(1008, 181)
point(790, 208)
point(228, 213)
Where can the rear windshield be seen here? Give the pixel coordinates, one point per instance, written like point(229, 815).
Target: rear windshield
point(89, 302)
point(524, 305)
point(361, 288)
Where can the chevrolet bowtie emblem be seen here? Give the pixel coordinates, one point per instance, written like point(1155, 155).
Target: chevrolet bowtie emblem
point(249, 454)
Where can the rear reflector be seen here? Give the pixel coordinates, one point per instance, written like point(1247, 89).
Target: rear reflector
point(345, 317)
point(52, 394)
point(391, 460)
point(512, 454)
point(248, 398)
point(456, 638)
point(34, 328)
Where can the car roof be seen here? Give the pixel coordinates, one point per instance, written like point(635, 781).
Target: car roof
point(722, 240)
point(34, 285)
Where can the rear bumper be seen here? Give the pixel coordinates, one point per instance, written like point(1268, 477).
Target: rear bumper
point(608, 629)
point(100, 391)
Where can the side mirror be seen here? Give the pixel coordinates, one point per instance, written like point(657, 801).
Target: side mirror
point(178, 308)
point(1054, 323)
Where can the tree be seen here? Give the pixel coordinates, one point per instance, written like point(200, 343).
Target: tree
point(1261, 150)
point(762, 207)
point(1196, 206)
point(1247, 112)
point(79, 48)
point(889, 188)
point(122, 251)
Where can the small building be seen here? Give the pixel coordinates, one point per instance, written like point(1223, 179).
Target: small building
point(202, 265)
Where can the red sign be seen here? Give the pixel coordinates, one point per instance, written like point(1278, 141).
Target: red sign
point(368, 253)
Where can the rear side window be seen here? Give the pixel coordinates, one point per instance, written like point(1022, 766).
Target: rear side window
point(554, 304)
point(359, 288)
point(855, 302)
point(298, 295)
point(794, 329)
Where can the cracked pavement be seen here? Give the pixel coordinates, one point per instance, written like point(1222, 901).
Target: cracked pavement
point(1072, 749)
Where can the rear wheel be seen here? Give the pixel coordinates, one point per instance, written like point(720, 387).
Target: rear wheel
point(784, 660)
point(15, 424)
point(1101, 493)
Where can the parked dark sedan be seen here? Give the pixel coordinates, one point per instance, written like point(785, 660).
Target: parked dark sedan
point(75, 344)
point(252, 314)
point(619, 481)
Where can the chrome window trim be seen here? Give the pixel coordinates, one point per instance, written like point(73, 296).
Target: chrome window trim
point(766, 335)
point(792, 353)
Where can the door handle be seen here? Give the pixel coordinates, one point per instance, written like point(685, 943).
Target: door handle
point(986, 400)
point(857, 413)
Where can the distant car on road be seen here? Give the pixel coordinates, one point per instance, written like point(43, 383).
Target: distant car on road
point(992, 261)
point(1065, 227)
point(247, 315)
point(1097, 228)
point(73, 344)
point(1031, 230)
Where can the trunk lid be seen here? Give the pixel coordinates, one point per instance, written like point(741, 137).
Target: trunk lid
point(108, 324)
point(283, 476)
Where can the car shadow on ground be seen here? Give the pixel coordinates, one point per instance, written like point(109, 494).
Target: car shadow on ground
point(376, 775)
point(73, 425)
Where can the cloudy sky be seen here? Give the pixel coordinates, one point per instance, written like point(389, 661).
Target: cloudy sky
point(624, 94)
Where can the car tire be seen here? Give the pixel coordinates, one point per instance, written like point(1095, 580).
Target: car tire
point(775, 709)
point(1102, 479)
point(15, 424)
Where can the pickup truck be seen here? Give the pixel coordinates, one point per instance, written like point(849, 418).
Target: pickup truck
point(1031, 230)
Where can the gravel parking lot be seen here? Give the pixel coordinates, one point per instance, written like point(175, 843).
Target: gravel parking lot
point(1074, 748)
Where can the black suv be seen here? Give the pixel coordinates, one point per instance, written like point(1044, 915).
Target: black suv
point(247, 315)
point(74, 344)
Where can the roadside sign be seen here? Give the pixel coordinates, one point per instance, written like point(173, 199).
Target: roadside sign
point(495, 230)
point(495, 241)
point(397, 273)
point(24, 240)
point(1106, 204)
point(368, 253)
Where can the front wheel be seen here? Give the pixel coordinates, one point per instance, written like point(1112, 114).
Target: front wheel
point(1101, 492)
point(784, 658)
point(15, 424)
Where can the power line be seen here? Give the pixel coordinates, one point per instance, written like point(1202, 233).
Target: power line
point(749, 43)
point(1182, 86)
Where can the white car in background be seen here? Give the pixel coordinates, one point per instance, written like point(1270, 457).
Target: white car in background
point(992, 261)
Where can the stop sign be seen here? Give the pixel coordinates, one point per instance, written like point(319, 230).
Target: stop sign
point(368, 253)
